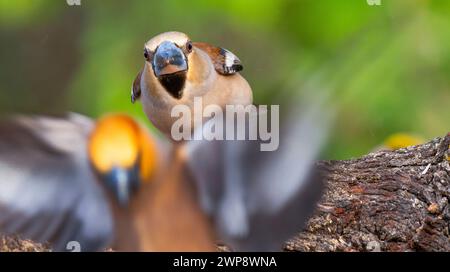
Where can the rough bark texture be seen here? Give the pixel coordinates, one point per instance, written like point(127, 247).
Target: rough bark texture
point(16, 244)
point(385, 201)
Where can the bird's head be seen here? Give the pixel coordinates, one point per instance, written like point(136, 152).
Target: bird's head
point(122, 154)
point(167, 56)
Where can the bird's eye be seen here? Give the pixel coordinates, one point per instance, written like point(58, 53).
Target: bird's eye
point(189, 46)
point(146, 55)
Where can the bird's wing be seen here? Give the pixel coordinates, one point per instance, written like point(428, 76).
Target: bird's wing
point(259, 199)
point(47, 190)
point(225, 62)
point(136, 88)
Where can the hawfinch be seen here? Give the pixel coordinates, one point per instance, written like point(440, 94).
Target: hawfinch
point(101, 184)
point(177, 70)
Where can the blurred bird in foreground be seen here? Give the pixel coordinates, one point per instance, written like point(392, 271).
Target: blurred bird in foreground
point(104, 183)
point(111, 184)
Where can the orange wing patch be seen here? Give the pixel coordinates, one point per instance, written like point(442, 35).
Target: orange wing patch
point(148, 156)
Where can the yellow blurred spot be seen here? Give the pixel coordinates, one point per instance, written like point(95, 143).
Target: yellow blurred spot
point(402, 140)
point(119, 141)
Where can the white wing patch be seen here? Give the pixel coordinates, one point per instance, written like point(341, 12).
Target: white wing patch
point(229, 58)
point(232, 62)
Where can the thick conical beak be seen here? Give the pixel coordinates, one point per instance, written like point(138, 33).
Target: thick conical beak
point(169, 59)
point(122, 183)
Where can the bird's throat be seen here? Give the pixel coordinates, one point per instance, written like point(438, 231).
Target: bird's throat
point(174, 83)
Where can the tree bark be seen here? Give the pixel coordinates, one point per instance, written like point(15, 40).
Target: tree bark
point(385, 201)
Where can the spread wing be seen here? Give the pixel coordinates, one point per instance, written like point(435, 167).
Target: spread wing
point(47, 191)
point(225, 62)
point(260, 199)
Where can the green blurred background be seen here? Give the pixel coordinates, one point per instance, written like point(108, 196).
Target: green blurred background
point(387, 67)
